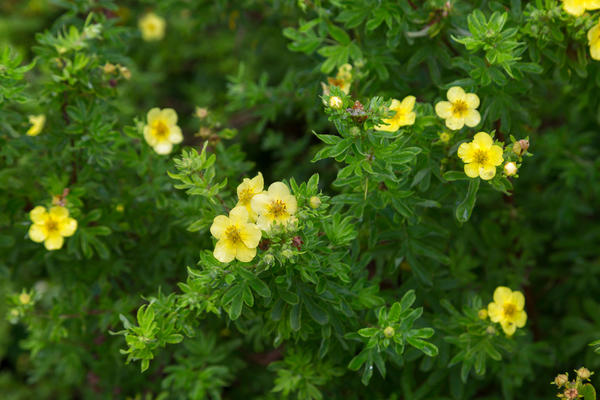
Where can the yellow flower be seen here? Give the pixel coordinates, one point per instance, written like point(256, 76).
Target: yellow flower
point(162, 131)
point(37, 124)
point(152, 27)
point(594, 41)
point(24, 298)
point(578, 7)
point(247, 190)
point(343, 80)
point(276, 206)
point(404, 115)
point(236, 237)
point(481, 156)
point(507, 309)
point(460, 109)
point(335, 102)
point(51, 226)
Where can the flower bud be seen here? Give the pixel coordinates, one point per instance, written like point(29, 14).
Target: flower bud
point(389, 332)
point(482, 314)
point(444, 137)
point(125, 72)
point(109, 68)
point(269, 259)
point(583, 373)
point(355, 131)
point(520, 147)
point(571, 393)
point(510, 168)
point(314, 202)
point(287, 253)
point(561, 379)
point(335, 102)
point(201, 112)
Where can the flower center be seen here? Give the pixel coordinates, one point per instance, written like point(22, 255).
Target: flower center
point(336, 82)
point(246, 195)
point(161, 130)
point(278, 209)
point(459, 108)
point(480, 157)
point(52, 225)
point(233, 234)
point(509, 310)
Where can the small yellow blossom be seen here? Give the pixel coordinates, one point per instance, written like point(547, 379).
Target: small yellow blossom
point(162, 131)
point(460, 109)
point(335, 102)
point(247, 190)
point(37, 124)
point(507, 309)
point(236, 236)
point(152, 27)
point(342, 80)
point(314, 202)
point(510, 168)
point(51, 226)
point(481, 156)
point(404, 115)
point(482, 314)
point(276, 206)
point(578, 7)
point(24, 298)
point(594, 41)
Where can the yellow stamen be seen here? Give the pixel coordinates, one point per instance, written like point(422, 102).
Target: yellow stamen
point(233, 234)
point(277, 209)
point(459, 108)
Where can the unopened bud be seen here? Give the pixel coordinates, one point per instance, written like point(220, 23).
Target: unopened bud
point(583, 373)
point(571, 393)
point(490, 330)
point(561, 379)
point(335, 102)
point(287, 253)
point(389, 332)
point(355, 131)
point(521, 147)
point(125, 72)
point(445, 137)
point(201, 112)
point(482, 314)
point(314, 202)
point(269, 259)
point(109, 68)
point(510, 168)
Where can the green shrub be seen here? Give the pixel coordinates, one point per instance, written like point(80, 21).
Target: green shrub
point(299, 199)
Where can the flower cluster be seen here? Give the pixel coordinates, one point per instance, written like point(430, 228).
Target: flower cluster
point(507, 309)
point(576, 389)
point(257, 210)
point(52, 226)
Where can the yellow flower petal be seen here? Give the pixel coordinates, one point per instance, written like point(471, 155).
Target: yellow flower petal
point(259, 203)
point(54, 242)
point(163, 147)
point(495, 155)
point(472, 118)
point(455, 94)
point(443, 109)
point(574, 7)
point(483, 140)
point(502, 295)
point(518, 299)
point(169, 115)
point(465, 152)
point(68, 227)
point(37, 233)
point(175, 135)
point(494, 312)
point(279, 190)
point(472, 170)
point(244, 254)
point(238, 215)
point(220, 223)
point(472, 100)
point(455, 123)
point(263, 222)
point(408, 103)
point(250, 235)
point(520, 319)
point(291, 204)
point(38, 215)
point(224, 252)
point(59, 212)
point(509, 328)
point(153, 114)
point(487, 172)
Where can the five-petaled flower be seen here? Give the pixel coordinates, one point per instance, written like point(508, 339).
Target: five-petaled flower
point(460, 109)
point(236, 236)
point(51, 226)
point(594, 40)
point(578, 7)
point(276, 206)
point(481, 156)
point(507, 309)
point(152, 27)
point(37, 124)
point(247, 190)
point(404, 115)
point(162, 131)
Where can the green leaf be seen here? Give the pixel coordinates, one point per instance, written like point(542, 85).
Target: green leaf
point(465, 208)
point(588, 392)
point(368, 332)
point(339, 34)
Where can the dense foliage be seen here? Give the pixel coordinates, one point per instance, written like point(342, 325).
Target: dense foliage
point(299, 199)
